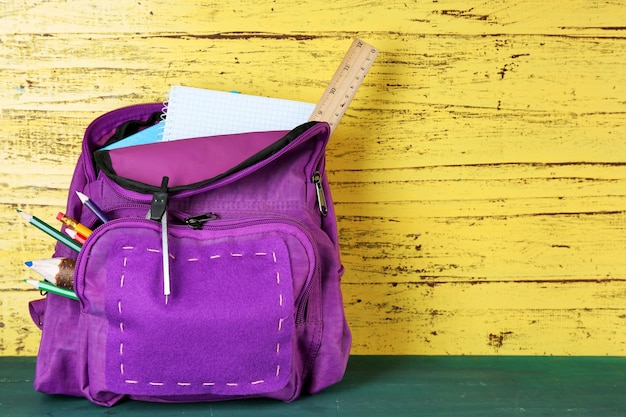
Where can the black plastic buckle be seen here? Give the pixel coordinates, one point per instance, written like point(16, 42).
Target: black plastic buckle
point(159, 201)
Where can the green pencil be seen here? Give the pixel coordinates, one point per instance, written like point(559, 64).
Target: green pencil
point(51, 231)
point(53, 289)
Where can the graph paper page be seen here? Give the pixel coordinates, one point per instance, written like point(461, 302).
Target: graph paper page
point(195, 112)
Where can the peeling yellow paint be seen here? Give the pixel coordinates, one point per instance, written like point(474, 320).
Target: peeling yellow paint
point(478, 175)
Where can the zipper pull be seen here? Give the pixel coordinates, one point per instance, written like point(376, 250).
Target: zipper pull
point(197, 222)
point(319, 189)
point(158, 212)
point(159, 202)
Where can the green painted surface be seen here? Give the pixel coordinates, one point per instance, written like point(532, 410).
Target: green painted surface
point(384, 386)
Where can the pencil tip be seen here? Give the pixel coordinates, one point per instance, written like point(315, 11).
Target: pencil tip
point(19, 211)
point(82, 196)
point(28, 263)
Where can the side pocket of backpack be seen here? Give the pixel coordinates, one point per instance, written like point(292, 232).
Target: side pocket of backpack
point(59, 369)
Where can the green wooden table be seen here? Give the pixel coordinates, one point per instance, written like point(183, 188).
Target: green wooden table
point(391, 386)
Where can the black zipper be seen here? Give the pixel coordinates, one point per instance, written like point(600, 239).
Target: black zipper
point(103, 161)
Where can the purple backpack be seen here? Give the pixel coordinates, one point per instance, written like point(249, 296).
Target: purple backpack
point(240, 298)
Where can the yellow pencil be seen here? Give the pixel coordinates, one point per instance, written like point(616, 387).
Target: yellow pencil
point(80, 228)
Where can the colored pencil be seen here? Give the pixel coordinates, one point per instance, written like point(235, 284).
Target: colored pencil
point(53, 289)
point(75, 235)
point(93, 207)
point(50, 231)
point(57, 271)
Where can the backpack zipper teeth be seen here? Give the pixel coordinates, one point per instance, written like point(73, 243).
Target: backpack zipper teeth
point(246, 171)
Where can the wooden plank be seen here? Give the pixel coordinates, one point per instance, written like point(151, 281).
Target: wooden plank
point(506, 318)
point(383, 386)
point(563, 17)
point(515, 250)
point(485, 146)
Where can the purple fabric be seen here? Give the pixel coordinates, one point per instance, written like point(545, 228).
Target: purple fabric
point(58, 371)
point(188, 161)
point(226, 329)
point(218, 337)
point(37, 309)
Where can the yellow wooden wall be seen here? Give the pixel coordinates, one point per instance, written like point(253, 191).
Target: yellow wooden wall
point(479, 175)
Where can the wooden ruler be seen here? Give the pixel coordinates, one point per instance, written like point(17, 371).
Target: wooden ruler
point(342, 88)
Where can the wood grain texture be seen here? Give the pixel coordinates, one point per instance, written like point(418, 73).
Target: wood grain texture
point(479, 175)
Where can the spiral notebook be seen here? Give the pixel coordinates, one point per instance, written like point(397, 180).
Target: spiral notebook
point(196, 112)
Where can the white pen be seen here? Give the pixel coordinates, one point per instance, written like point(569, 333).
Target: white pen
point(158, 212)
point(166, 257)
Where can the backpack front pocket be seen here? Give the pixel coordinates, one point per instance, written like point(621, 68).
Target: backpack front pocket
point(228, 327)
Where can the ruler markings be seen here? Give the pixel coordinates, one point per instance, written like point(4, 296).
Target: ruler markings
point(344, 84)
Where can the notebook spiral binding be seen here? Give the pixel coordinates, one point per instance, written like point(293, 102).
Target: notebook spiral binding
point(163, 116)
